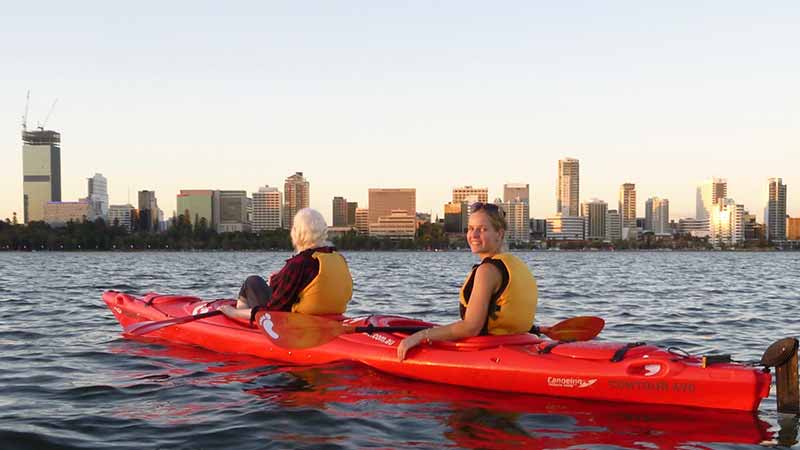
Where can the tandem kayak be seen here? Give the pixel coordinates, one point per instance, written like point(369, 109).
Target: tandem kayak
point(608, 371)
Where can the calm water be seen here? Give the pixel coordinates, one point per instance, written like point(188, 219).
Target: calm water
point(68, 380)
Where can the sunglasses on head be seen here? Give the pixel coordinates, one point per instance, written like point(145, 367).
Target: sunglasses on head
point(489, 207)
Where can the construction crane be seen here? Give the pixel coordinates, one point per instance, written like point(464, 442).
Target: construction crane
point(25, 116)
point(47, 117)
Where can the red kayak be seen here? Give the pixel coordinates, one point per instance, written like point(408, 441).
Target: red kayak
point(609, 371)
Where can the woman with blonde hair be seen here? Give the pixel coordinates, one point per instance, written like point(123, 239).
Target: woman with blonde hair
point(315, 280)
point(499, 295)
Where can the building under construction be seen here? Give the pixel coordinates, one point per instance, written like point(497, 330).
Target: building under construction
point(41, 171)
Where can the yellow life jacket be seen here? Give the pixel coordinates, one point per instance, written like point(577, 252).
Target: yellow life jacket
point(513, 308)
point(330, 290)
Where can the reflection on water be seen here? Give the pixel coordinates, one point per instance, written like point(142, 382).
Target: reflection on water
point(68, 381)
point(463, 418)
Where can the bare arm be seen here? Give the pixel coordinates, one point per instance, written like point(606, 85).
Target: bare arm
point(487, 282)
point(235, 313)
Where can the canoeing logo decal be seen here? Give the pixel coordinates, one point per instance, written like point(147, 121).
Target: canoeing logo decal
point(570, 382)
point(266, 324)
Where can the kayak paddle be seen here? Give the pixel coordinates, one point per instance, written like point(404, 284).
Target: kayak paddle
point(582, 328)
point(299, 331)
point(149, 326)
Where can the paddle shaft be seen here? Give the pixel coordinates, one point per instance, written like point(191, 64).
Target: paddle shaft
point(141, 328)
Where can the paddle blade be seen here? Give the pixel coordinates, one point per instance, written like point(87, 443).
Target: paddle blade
point(299, 331)
point(581, 328)
point(141, 328)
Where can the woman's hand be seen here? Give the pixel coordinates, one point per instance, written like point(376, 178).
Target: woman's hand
point(409, 343)
point(228, 310)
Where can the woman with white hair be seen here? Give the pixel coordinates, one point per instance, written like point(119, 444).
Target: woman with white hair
point(316, 280)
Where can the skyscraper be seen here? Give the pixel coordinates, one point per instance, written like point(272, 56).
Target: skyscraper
point(351, 213)
point(98, 194)
point(709, 193)
point(627, 206)
point(516, 204)
point(726, 225)
point(656, 211)
point(296, 196)
point(470, 194)
point(516, 192)
point(596, 212)
point(382, 202)
point(41, 172)
point(775, 212)
point(568, 188)
point(339, 212)
point(148, 211)
point(613, 225)
point(230, 211)
point(455, 217)
point(362, 220)
point(266, 209)
point(196, 205)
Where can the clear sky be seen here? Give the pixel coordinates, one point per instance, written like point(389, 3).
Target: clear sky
point(165, 95)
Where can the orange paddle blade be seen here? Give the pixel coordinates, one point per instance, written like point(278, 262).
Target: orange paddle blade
point(299, 331)
point(581, 328)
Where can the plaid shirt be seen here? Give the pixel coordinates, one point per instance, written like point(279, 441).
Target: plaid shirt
point(298, 272)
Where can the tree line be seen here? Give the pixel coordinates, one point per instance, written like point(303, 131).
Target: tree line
point(184, 235)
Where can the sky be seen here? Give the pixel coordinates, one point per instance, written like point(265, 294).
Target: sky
point(431, 95)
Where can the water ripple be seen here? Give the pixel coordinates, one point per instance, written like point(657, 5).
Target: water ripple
point(68, 381)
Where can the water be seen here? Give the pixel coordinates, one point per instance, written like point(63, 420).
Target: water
point(68, 380)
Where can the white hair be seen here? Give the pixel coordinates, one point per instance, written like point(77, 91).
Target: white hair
point(309, 230)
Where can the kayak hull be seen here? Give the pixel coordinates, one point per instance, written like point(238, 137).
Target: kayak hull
point(520, 363)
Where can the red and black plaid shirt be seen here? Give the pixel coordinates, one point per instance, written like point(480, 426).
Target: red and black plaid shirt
point(298, 272)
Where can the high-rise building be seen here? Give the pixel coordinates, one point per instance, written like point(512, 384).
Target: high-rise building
point(383, 201)
point(709, 193)
point(775, 211)
point(266, 209)
point(230, 211)
point(148, 211)
point(516, 203)
point(627, 207)
point(613, 225)
point(339, 212)
point(751, 227)
point(97, 187)
point(656, 219)
point(121, 215)
point(727, 223)
point(362, 220)
point(538, 229)
point(455, 217)
point(296, 196)
point(519, 192)
point(793, 229)
point(196, 205)
point(470, 194)
point(595, 212)
point(517, 220)
point(41, 172)
point(351, 213)
point(568, 188)
point(562, 228)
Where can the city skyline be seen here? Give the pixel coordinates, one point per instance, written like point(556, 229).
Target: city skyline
point(370, 96)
